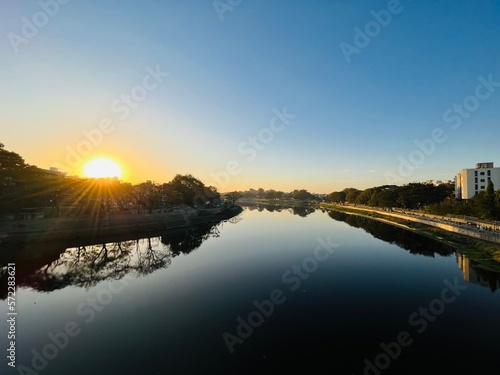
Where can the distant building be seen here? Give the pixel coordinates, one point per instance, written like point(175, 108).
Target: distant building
point(49, 173)
point(471, 181)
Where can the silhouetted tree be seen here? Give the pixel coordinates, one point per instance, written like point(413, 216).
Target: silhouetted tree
point(233, 196)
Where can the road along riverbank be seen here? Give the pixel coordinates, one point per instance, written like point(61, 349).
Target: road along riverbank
point(479, 245)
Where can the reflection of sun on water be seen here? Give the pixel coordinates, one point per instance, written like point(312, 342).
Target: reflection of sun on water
point(102, 167)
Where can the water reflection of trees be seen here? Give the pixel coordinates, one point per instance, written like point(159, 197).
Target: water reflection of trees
point(86, 266)
point(413, 242)
point(302, 211)
point(473, 271)
point(190, 239)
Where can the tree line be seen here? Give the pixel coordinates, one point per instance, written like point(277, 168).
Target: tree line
point(26, 186)
point(439, 200)
point(297, 194)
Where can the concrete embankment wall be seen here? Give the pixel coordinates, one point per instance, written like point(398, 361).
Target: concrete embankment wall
point(432, 220)
point(65, 227)
point(482, 235)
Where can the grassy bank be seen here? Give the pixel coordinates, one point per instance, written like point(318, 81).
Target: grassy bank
point(486, 254)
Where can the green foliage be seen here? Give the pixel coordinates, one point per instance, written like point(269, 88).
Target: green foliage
point(271, 194)
point(437, 200)
point(364, 196)
point(193, 191)
point(337, 197)
point(484, 205)
point(351, 194)
point(149, 195)
point(412, 196)
point(301, 195)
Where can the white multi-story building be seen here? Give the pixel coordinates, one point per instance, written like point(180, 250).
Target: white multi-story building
point(471, 181)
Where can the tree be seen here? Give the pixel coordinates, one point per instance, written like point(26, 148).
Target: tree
point(364, 196)
point(260, 193)
point(12, 165)
point(124, 195)
point(193, 191)
point(149, 195)
point(190, 188)
point(171, 195)
point(233, 196)
point(15, 175)
point(387, 197)
point(337, 197)
point(485, 202)
point(351, 194)
point(271, 194)
point(301, 194)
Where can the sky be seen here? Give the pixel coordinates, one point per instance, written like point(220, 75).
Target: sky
point(316, 95)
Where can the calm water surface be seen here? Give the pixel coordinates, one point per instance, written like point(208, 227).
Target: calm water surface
point(261, 293)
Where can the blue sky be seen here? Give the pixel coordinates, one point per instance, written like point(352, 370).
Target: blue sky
point(355, 123)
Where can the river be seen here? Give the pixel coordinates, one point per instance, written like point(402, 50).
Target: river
point(263, 292)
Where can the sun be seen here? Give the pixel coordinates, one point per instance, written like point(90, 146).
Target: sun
point(102, 167)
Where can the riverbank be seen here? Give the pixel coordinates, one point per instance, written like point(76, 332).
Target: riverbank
point(99, 226)
point(477, 245)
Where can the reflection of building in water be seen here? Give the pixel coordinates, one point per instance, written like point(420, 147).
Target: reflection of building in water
point(463, 264)
point(488, 279)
